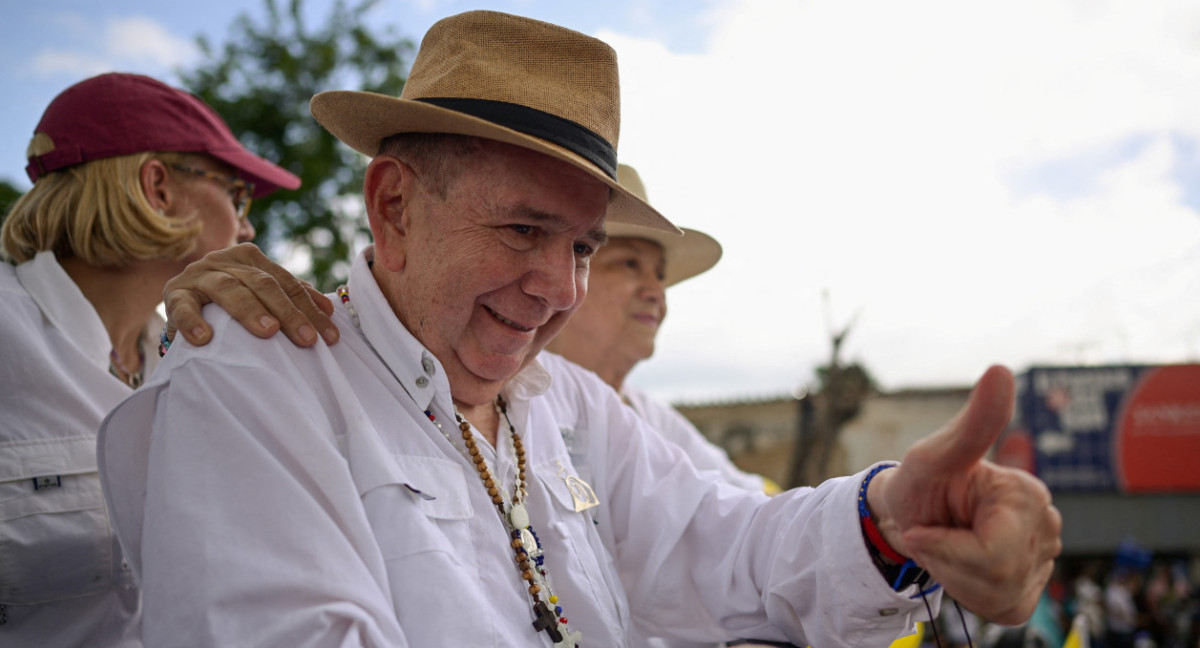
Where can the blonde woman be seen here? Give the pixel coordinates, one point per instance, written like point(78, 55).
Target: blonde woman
point(133, 180)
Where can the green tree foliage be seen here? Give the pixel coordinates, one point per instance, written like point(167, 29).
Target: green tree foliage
point(261, 82)
point(8, 195)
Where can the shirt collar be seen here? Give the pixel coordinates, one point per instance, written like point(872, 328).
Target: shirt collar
point(63, 303)
point(419, 372)
point(532, 380)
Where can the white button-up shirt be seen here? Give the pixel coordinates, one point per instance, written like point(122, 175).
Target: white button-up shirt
point(303, 497)
point(674, 427)
point(63, 581)
point(704, 455)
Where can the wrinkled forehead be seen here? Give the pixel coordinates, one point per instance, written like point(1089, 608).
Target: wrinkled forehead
point(547, 187)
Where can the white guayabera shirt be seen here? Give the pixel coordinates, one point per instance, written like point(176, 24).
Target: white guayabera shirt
point(63, 581)
point(674, 427)
point(271, 495)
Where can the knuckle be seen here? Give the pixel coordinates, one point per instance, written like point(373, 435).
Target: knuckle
point(262, 283)
point(297, 291)
point(222, 283)
point(997, 571)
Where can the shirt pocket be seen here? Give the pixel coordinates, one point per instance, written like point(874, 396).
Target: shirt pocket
point(415, 504)
point(55, 539)
point(420, 513)
point(576, 531)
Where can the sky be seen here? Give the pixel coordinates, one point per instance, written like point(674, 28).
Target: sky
point(961, 184)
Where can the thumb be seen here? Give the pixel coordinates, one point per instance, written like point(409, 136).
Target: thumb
point(968, 436)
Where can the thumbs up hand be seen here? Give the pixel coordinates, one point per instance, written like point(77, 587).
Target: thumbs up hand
point(989, 534)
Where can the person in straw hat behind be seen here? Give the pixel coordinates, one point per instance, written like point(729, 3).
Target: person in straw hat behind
point(616, 326)
point(411, 485)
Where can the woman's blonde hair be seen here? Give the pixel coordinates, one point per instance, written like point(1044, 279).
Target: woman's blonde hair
point(97, 212)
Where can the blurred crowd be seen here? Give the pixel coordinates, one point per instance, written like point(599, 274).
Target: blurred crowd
point(1130, 600)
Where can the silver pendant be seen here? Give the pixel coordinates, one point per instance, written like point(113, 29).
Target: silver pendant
point(530, 544)
point(581, 492)
point(585, 498)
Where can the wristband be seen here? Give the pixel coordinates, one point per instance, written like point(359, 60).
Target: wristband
point(874, 537)
point(901, 571)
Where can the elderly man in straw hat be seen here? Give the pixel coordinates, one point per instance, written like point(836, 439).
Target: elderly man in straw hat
point(411, 486)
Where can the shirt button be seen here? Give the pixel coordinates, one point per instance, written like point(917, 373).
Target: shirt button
point(422, 381)
point(427, 365)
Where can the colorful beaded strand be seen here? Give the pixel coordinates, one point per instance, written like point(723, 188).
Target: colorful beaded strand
point(546, 619)
point(554, 623)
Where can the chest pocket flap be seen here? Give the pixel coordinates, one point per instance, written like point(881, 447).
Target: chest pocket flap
point(55, 540)
point(437, 485)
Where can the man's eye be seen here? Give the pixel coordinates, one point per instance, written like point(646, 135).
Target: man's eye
point(522, 229)
point(584, 250)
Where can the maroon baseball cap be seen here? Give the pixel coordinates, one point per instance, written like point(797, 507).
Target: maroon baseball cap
point(119, 114)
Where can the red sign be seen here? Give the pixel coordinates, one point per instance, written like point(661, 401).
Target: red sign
point(1157, 440)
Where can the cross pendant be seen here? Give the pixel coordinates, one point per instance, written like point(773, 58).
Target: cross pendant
point(545, 621)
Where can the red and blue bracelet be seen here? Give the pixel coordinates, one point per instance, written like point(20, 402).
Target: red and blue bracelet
point(902, 571)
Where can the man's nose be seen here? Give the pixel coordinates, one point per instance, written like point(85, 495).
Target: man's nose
point(552, 277)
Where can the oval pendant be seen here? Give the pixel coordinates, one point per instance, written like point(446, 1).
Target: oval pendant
point(518, 516)
point(530, 544)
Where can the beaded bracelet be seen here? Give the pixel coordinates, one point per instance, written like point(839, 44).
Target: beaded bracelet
point(164, 342)
point(864, 514)
point(903, 571)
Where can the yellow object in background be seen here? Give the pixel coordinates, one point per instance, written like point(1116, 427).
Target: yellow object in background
point(770, 487)
point(911, 641)
point(1079, 637)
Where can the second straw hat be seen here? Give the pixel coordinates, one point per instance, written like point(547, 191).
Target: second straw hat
point(687, 256)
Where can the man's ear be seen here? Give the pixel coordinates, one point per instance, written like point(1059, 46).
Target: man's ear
point(388, 190)
point(158, 186)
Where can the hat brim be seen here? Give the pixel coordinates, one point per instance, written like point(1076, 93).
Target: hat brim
point(266, 176)
point(363, 119)
point(687, 256)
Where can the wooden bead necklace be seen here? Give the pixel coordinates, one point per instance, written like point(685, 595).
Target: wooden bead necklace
point(527, 549)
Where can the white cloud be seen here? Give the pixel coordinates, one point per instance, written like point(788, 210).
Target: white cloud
point(871, 148)
point(139, 38)
point(131, 43)
point(53, 62)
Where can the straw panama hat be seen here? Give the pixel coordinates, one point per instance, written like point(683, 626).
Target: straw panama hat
point(506, 78)
point(687, 256)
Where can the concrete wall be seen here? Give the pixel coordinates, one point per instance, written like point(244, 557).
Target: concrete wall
point(759, 436)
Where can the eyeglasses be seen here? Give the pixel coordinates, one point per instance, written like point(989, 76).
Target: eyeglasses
point(240, 191)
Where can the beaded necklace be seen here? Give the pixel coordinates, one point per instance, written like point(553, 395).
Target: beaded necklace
point(118, 369)
point(527, 549)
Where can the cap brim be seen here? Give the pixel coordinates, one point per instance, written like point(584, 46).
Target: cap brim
point(362, 119)
point(687, 256)
point(266, 176)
